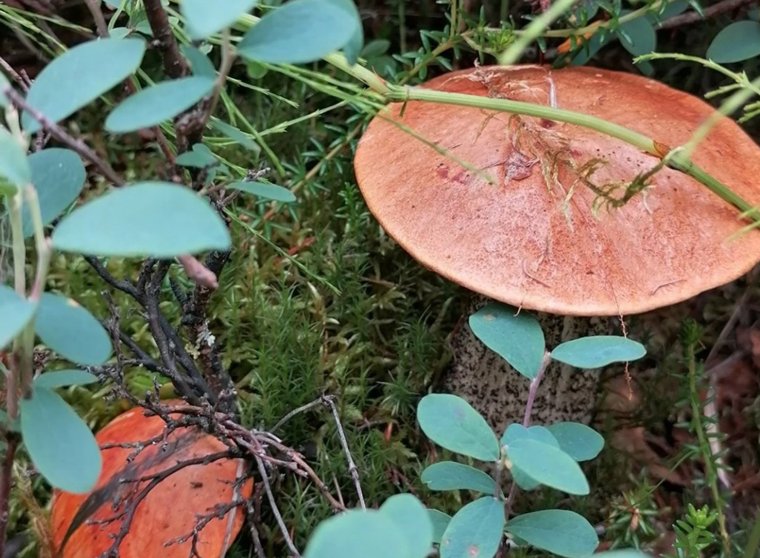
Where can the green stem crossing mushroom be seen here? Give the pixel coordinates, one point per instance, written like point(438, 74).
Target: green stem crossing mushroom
point(545, 213)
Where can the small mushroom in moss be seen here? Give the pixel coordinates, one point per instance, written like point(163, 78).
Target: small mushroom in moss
point(555, 217)
point(153, 497)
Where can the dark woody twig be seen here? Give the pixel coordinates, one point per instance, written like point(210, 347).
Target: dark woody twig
point(174, 64)
point(710, 11)
point(120, 285)
point(157, 328)
point(97, 16)
point(183, 358)
point(9, 455)
point(190, 131)
point(15, 76)
point(195, 318)
point(61, 135)
point(257, 547)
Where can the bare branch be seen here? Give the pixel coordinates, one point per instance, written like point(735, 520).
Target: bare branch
point(61, 135)
point(710, 11)
point(302, 409)
point(6, 474)
point(174, 64)
point(97, 15)
point(118, 284)
point(353, 470)
point(275, 510)
point(15, 76)
point(254, 532)
point(209, 351)
point(157, 329)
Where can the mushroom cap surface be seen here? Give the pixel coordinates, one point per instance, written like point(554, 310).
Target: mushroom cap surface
point(170, 510)
point(538, 235)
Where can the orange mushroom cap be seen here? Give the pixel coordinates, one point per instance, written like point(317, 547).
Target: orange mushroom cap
point(514, 208)
point(169, 511)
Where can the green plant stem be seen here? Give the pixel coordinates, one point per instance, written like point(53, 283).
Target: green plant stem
point(429, 57)
point(533, 30)
point(454, 17)
point(19, 359)
point(739, 78)
point(704, 448)
point(26, 358)
point(674, 158)
point(593, 27)
point(228, 57)
point(747, 89)
point(42, 244)
point(11, 392)
point(19, 250)
point(753, 544)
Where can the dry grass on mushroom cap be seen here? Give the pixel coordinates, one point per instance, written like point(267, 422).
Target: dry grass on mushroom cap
point(530, 212)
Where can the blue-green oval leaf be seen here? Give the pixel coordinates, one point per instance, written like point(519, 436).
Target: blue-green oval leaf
point(236, 135)
point(585, 50)
point(548, 465)
point(440, 522)
point(412, 520)
point(369, 534)
point(205, 18)
point(13, 163)
point(158, 103)
point(16, 312)
point(58, 176)
point(637, 35)
point(200, 64)
point(264, 190)
point(449, 475)
point(579, 441)
point(71, 331)
point(64, 378)
point(475, 531)
point(60, 444)
point(736, 42)
point(518, 339)
point(353, 47)
point(561, 532)
point(598, 350)
point(81, 75)
point(155, 219)
point(119, 32)
point(516, 432)
point(199, 157)
point(452, 423)
point(300, 31)
point(669, 10)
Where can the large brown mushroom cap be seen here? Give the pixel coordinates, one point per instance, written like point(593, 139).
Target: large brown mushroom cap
point(538, 236)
